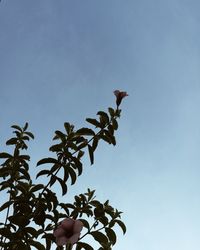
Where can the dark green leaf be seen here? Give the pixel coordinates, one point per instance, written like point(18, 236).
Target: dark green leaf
point(91, 154)
point(53, 180)
point(40, 218)
point(48, 236)
point(11, 141)
point(37, 187)
point(43, 172)
point(100, 237)
point(29, 134)
point(36, 244)
point(85, 223)
point(122, 225)
point(25, 126)
point(63, 186)
point(111, 235)
point(31, 231)
point(115, 124)
point(111, 129)
point(111, 111)
point(16, 127)
point(90, 194)
point(82, 145)
point(67, 127)
point(72, 174)
point(60, 135)
point(23, 187)
point(94, 122)
point(56, 148)
point(19, 220)
point(95, 143)
point(66, 172)
point(103, 220)
point(5, 155)
point(78, 200)
point(85, 131)
point(104, 117)
point(25, 138)
point(54, 168)
point(96, 203)
point(110, 136)
point(25, 157)
point(82, 245)
point(5, 205)
point(47, 160)
point(106, 138)
point(98, 212)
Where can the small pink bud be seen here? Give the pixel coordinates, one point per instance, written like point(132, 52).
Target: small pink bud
point(119, 96)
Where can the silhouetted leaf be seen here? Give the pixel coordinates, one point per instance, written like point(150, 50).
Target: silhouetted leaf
point(36, 244)
point(43, 172)
point(82, 245)
point(29, 134)
point(31, 231)
point(5, 205)
point(110, 136)
point(59, 135)
point(63, 185)
point(115, 124)
point(67, 127)
point(11, 141)
point(111, 111)
point(95, 143)
point(91, 154)
point(111, 235)
point(37, 187)
point(16, 127)
point(56, 148)
point(72, 174)
point(85, 223)
point(25, 126)
point(94, 122)
point(103, 117)
point(39, 218)
point(5, 155)
point(85, 131)
point(103, 220)
point(100, 237)
point(47, 160)
point(19, 220)
point(122, 225)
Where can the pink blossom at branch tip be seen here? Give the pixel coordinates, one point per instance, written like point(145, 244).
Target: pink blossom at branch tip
point(68, 231)
point(119, 96)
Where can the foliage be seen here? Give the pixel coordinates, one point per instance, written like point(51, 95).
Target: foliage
point(33, 210)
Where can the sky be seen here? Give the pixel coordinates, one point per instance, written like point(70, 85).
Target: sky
point(61, 60)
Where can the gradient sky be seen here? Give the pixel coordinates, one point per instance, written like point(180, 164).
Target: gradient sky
point(61, 60)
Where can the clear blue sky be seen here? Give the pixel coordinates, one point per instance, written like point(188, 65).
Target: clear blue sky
point(61, 60)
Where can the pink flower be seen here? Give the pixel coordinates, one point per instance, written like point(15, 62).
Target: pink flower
point(68, 231)
point(119, 96)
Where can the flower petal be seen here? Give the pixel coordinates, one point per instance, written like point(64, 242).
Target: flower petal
point(78, 226)
point(59, 232)
point(123, 94)
point(74, 238)
point(62, 241)
point(67, 224)
point(116, 92)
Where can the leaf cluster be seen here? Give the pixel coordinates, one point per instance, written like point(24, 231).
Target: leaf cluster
point(33, 210)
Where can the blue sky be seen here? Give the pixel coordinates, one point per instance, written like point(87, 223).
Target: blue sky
point(61, 60)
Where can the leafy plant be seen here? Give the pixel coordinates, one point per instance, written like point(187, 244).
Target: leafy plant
point(32, 211)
